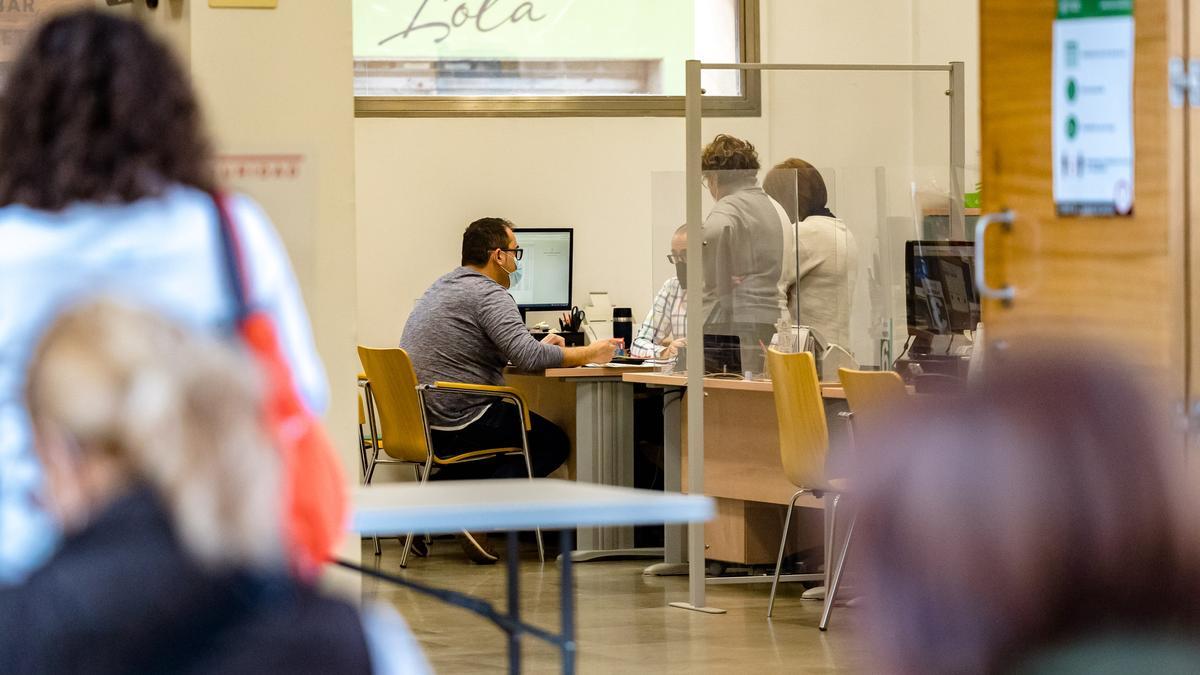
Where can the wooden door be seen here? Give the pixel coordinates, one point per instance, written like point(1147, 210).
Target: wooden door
point(1116, 281)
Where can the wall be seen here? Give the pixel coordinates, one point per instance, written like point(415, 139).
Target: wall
point(420, 181)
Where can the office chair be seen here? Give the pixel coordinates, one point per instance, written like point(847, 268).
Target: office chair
point(393, 391)
point(803, 448)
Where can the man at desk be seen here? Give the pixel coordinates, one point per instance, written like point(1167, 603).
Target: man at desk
point(466, 328)
point(662, 332)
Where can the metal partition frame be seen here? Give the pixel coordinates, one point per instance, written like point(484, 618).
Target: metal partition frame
point(956, 72)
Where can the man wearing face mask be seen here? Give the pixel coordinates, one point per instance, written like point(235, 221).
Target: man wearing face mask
point(467, 328)
point(663, 331)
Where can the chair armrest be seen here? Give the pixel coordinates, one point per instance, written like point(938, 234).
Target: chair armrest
point(507, 393)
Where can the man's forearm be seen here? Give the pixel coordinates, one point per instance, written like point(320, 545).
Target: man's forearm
point(575, 356)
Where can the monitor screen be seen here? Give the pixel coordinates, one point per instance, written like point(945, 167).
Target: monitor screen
point(545, 282)
point(940, 276)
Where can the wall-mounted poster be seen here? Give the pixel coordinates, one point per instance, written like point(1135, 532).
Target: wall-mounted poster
point(1093, 108)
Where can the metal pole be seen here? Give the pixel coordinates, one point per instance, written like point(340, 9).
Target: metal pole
point(512, 561)
point(567, 603)
point(695, 331)
point(958, 149)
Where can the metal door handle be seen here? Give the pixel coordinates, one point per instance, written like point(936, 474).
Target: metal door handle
point(1005, 293)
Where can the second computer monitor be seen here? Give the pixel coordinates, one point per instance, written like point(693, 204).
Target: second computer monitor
point(942, 298)
point(546, 269)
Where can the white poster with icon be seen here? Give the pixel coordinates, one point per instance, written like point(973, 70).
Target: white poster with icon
point(1093, 108)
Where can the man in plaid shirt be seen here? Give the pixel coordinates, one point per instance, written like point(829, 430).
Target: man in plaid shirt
point(662, 332)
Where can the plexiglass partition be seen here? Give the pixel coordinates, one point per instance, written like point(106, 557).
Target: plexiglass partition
point(841, 224)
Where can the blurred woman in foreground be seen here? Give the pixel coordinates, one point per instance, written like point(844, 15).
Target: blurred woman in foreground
point(106, 175)
point(167, 492)
point(1039, 524)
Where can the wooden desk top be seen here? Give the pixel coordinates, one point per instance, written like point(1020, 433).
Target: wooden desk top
point(831, 390)
point(583, 372)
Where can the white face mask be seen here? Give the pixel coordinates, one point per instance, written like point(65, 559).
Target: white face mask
point(514, 277)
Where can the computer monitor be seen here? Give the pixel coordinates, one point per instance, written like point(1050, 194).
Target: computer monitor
point(942, 298)
point(546, 272)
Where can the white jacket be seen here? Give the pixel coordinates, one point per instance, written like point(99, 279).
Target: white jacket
point(162, 252)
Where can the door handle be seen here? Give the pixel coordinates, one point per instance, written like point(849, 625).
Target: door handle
point(1005, 293)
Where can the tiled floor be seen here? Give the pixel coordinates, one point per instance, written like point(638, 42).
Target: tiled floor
point(624, 622)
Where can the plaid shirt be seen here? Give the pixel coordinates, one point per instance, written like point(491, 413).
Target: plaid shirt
point(667, 319)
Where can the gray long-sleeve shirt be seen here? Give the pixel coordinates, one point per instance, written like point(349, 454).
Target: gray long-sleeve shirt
point(466, 328)
point(743, 258)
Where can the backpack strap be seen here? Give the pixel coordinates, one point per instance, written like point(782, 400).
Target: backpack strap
point(231, 258)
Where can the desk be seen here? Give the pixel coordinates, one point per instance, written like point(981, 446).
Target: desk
point(742, 469)
point(602, 432)
point(518, 504)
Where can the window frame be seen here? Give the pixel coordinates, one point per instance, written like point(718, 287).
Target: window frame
point(749, 104)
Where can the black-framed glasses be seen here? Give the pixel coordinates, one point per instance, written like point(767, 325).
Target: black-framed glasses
point(518, 253)
point(676, 258)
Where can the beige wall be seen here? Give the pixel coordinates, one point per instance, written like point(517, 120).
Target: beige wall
point(420, 181)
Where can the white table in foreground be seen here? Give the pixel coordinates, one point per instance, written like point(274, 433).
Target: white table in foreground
point(516, 504)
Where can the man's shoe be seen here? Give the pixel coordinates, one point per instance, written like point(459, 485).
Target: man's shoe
point(815, 593)
point(477, 548)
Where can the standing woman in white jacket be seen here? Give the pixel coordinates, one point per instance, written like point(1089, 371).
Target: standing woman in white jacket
point(825, 252)
point(106, 177)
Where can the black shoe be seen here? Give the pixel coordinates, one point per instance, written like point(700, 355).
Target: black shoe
point(419, 548)
point(477, 548)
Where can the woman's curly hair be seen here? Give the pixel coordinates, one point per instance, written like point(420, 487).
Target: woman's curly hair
point(98, 110)
point(729, 160)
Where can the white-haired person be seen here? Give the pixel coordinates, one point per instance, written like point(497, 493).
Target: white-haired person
point(167, 490)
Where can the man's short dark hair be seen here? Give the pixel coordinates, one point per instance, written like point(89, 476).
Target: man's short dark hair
point(482, 237)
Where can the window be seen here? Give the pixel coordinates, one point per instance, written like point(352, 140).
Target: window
point(421, 58)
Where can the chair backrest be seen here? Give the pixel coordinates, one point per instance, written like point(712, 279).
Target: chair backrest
point(803, 434)
point(872, 393)
point(394, 386)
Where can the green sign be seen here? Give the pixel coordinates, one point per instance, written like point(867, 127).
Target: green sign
point(1091, 9)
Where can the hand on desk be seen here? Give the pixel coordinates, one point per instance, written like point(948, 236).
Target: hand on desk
point(602, 351)
point(554, 339)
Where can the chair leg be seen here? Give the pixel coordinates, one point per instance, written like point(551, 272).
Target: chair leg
point(831, 591)
point(367, 480)
point(423, 476)
point(537, 532)
point(787, 522)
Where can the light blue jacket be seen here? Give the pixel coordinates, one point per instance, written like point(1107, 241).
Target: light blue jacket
point(163, 252)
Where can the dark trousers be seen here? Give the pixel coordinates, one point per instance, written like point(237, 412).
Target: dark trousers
point(500, 427)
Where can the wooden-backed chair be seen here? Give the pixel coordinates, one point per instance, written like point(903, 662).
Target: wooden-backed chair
point(404, 434)
point(803, 450)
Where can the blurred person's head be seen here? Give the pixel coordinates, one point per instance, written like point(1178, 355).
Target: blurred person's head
point(490, 247)
point(728, 164)
point(122, 399)
point(798, 187)
point(1039, 509)
point(96, 109)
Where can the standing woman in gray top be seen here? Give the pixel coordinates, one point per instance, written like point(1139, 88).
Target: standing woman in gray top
point(743, 246)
